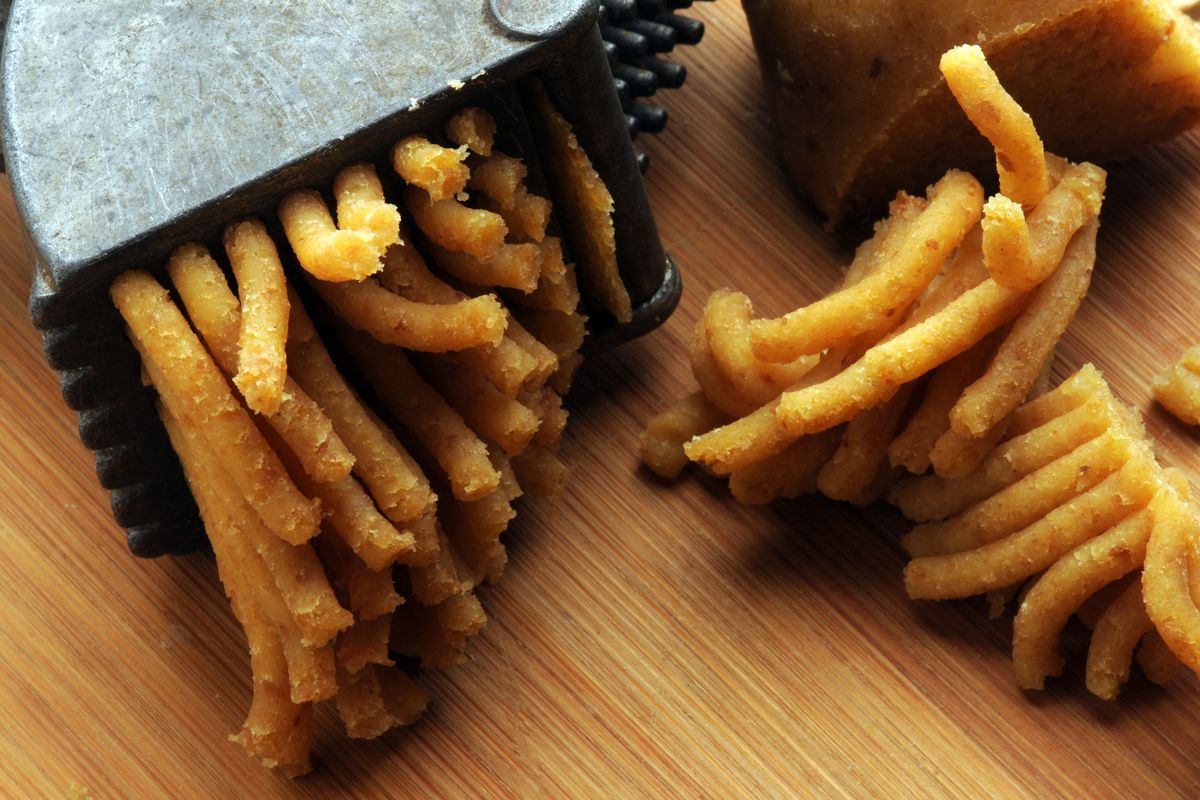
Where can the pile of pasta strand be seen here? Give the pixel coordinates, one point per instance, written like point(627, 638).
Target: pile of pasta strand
point(1060, 514)
point(353, 524)
point(933, 361)
point(946, 320)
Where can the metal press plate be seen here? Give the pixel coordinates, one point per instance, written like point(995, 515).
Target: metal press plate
point(126, 118)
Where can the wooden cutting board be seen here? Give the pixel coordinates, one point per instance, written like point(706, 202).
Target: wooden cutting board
point(648, 640)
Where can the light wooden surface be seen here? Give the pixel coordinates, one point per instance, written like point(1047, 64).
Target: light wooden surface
point(648, 640)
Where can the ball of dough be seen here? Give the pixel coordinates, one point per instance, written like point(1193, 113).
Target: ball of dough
point(860, 110)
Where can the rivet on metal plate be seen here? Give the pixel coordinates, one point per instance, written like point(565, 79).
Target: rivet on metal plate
point(536, 19)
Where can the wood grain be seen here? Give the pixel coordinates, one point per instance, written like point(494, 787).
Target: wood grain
point(648, 640)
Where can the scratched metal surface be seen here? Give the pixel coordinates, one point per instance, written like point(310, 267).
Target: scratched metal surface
point(122, 115)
